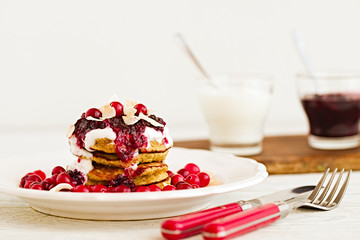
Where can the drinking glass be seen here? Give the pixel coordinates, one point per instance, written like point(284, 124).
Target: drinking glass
point(331, 102)
point(235, 110)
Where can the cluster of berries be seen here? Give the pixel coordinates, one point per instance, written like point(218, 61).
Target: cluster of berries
point(189, 177)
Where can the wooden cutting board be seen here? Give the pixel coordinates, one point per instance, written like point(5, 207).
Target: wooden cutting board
point(292, 154)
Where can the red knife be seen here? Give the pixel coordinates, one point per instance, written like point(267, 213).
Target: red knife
point(193, 223)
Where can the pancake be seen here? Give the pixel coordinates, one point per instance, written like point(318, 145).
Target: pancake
point(144, 174)
point(113, 160)
point(108, 146)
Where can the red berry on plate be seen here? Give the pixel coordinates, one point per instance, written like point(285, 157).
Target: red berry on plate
point(37, 186)
point(192, 168)
point(170, 173)
point(183, 172)
point(140, 108)
point(63, 177)
point(34, 178)
point(204, 179)
point(193, 179)
point(154, 188)
point(122, 188)
point(183, 185)
point(46, 185)
point(119, 108)
point(49, 180)
point(99, 188)
point(41, 174)
point(142, 189)
point(195, 186)
point(24, 178)
point(80, 188)
point(176, 178)
point(93, 112)
point(57, 170)
point(28, 184)
point(169, 188)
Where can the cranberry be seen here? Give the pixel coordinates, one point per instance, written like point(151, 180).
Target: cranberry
point(176, 178)
point(41, 174)
point(24, 178)
point(63, 177)
point(154, 188)
point(52, 186)
point(170, 173)
point(183, 172)
point(93, 112)
point(37, 186)
point(28, 184)
point(169, 188)
point(204, 179)
point(80, 188)
point(193, 179)
point(140, 108)
point(183, 185)
point(119, 108)
point(45, 185)
point(142, 189)
point(49, 180)
point(192, 168)
point(195, 186)
point(57, 170)
point(99, 188)
point(33, 178)
point(53, 178)
point(122, 188)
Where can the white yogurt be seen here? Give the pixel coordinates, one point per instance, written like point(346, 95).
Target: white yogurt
point(235, 115)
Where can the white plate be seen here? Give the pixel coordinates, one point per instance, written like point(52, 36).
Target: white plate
point(234, 173)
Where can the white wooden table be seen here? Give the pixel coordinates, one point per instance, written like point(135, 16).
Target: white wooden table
point(19, 221)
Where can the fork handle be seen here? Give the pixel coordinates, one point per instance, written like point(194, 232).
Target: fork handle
point(244, 222)
point(192, 224)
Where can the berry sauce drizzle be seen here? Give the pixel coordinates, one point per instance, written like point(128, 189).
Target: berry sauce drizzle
point(129, 138)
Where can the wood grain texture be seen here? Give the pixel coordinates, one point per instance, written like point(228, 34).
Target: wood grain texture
point(292, 154)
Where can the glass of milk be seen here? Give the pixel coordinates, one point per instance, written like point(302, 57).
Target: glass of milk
point(235, 108)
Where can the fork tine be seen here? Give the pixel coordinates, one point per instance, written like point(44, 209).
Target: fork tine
point(341, 193)
point(333, 191)
point(317, 189)
point(328, 185)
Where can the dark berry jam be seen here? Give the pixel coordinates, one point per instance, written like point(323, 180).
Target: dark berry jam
point(77, 177)
point(131, 173)
point(122, 180)
point(129, 138)
point(333, 115)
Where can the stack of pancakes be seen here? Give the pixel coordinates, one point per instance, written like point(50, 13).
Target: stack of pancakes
point(129, 142)
point(145, 168)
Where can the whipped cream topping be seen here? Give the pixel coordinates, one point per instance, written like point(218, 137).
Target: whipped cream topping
point(76, 150)
point(154, 135)
point(91, 136)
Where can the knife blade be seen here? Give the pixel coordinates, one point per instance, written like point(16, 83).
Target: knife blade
point(243, 222)
point(193, 223)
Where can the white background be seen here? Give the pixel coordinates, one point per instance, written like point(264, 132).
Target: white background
point(59, 58)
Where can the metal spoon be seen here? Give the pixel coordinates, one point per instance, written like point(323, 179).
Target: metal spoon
point(185, 47)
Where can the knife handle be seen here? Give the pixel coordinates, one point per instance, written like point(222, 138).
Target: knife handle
point(192, 224)
point(244, 222)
